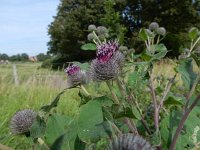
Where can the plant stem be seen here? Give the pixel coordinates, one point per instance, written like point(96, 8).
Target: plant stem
point(42, 143)
point(121, 87)
point(84, 89)
point(167, 88)
point(183, 119)
point(116, 128)
point(3, 147)
point(194, 44)
point(142, 118)
point(158, 39)
point(131, 125)
point(115, 98)
point(156, 112)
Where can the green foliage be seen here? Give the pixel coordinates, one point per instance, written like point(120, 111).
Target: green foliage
point(112, 20)
point(173, 100)
point(88, 46)
point(38, 128)
point(186, 70)
point(53, 104)
point(170, 123)
point(56, 126)
point(90, 128)
point(193, 33)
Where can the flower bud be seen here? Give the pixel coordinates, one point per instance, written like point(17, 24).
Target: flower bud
point(90, 37)
point(102, 30)
point(153, 26)
point(22, 121)
point(92, 28)
point(75, 76)
point(161, 31)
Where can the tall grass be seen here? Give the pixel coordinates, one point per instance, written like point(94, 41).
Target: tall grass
point(37, 87)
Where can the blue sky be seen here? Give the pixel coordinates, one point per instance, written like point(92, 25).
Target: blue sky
point(24, 24)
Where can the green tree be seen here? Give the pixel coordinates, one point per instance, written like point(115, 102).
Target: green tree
point(24, 57)
point(123, 18)
point(4, 57)
point(69, 29)
point(43, 57)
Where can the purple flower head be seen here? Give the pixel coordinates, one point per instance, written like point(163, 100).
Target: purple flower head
point(106, 50)
point(73, 69)
point(108, 62)
point(75, 76)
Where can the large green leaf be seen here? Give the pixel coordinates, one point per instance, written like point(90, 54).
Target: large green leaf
point(162, 51)
point(185, 68)
point(90, 119)
point(57, 145)
point(88, 46)
point(173, 100)
point(119, 111)
point(38, 128)
point(68, 133)
point(56, 126)
point(79, 145)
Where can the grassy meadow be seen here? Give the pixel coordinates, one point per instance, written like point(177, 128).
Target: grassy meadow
point(36, 88)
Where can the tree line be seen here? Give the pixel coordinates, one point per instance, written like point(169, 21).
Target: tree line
point(23, 57)
point(123, 18)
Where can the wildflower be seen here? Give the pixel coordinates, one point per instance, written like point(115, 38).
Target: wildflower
point(22, 121)
point(161, 31)
point(107, 64)
point(129, 142)
point(75, 76)
point(153, 26)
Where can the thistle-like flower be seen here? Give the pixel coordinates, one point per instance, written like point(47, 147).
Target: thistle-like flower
point(75, 76)
point(22, 121)
point(129, 142)
point(107, 64)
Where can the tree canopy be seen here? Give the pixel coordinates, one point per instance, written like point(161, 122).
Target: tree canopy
point(123, 18)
